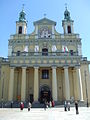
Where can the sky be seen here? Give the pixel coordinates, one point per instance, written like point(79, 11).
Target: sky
point(35, 10)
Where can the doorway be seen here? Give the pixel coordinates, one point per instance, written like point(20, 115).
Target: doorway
point(45, 94)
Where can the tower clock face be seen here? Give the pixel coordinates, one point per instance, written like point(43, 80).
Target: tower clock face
point(44, 32)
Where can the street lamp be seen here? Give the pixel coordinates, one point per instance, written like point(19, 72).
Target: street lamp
point(86, 88)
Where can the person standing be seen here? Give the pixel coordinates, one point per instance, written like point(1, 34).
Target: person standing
point(76, 107)
point(29, 106)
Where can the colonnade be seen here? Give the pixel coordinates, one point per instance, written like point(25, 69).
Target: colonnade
point(54, 84)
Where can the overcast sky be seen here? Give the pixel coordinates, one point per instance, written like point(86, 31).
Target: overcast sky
point(35, 10)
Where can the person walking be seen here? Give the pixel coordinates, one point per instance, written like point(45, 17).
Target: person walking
point(29, 106)
point(68, 106)
point(65, 106)
point(21, 105)
point(53, 103)
point(76, 107)
point(11, 104)
point(50, 104)
point(45, 105)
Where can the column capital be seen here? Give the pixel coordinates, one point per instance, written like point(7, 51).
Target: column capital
point(24, 67)
point(66, 67)
point(54, 67)
point(11, 67)
point(77, 66)
point(36, 67)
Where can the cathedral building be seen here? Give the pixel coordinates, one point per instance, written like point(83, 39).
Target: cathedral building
point(44, 64)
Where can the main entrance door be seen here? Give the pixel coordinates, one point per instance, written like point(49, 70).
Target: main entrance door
point(45, 94)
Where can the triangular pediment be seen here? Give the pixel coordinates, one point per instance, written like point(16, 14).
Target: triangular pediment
point(44, 21)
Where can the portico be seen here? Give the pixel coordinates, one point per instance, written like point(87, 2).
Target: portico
point(32, 78)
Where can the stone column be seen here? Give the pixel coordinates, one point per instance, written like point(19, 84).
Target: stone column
point(11, 84)
point(79, 84)
point(36, 84)
point(54, 84)
point(67, 84)
point(23, 84)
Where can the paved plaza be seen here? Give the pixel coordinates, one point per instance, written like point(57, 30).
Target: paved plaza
point(41, 114)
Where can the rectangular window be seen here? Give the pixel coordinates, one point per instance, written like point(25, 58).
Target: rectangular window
point(18, 53)
point(45, 74)
point(71, 52)
point(20, 30)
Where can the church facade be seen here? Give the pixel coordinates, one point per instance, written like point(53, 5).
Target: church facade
point(45, 64)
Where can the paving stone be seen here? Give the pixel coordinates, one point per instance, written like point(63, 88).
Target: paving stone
point(41, 114)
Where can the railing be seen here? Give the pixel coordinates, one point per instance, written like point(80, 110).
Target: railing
point(4, 59)
point(84, 58)
point(28, 36)
point(44, 54)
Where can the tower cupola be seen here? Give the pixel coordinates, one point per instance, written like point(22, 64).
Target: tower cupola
point(21, 24)
point(22, 16)
point(67, 23)
point(66, 14)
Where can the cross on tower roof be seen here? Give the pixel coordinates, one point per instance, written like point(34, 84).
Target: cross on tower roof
point(45, 14)
point(66, 5)
point(23, 6)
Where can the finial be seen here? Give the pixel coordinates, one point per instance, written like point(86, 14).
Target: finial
point(66, 6)
point(45, 15)
point(23, 6)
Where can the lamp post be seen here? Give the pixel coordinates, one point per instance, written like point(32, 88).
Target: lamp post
point(86, 88)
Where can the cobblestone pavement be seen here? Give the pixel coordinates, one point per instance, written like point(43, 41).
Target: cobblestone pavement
point(41, 114)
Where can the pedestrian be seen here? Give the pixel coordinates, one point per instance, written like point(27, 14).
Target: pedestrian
point(50, 104)
point(29, 106)
point(21, 105)
point(76, 107)
point(53, 103)
point(65, 106)
point(11, 104)
point(68, 106)
point(45, 105)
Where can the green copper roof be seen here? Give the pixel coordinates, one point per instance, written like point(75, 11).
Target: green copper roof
point(66, 14)
point(22, 16)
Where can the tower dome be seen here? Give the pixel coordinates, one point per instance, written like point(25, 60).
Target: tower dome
point(22, 16)
point(66, 14)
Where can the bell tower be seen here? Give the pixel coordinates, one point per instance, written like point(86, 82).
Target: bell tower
point(21, 24)
point(67, 23)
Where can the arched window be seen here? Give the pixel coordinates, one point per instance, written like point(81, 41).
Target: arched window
point(45, 51)
point(69, 29)
point(20, 30)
